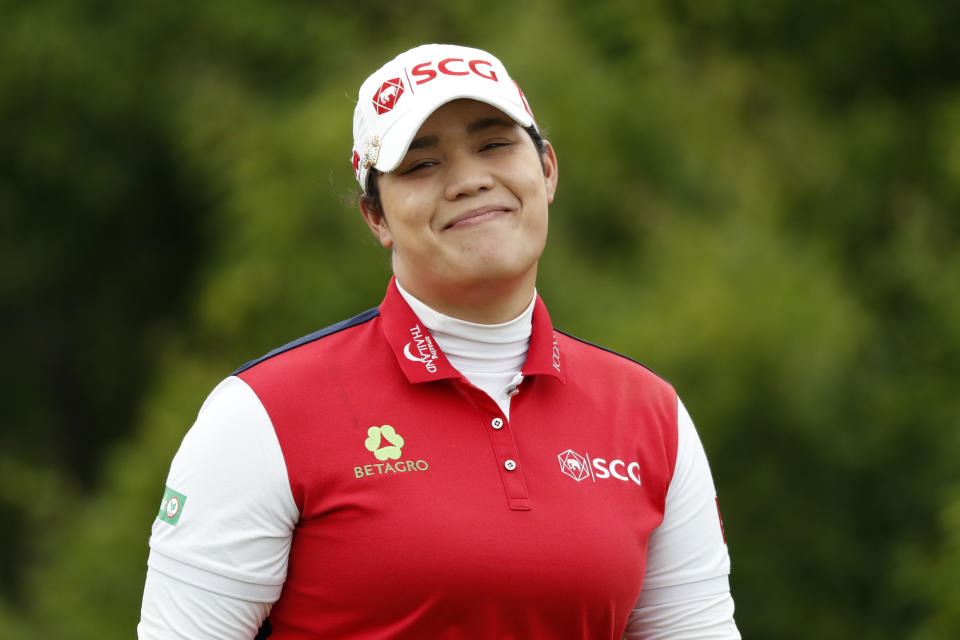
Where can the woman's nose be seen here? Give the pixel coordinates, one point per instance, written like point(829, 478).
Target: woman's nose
point(467, 175)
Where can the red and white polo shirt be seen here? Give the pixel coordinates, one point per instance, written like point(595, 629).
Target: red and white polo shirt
point(361, 482)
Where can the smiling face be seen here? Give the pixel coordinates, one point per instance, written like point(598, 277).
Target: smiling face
point(465, 212)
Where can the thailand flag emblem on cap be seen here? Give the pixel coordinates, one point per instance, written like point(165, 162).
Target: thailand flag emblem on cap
point(387, 95)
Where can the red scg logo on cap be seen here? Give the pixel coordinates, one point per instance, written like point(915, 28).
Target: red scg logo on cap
point(424, 72)
point(387, 95)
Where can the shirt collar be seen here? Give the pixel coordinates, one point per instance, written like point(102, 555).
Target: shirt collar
point(421, 359)
point(545, 357)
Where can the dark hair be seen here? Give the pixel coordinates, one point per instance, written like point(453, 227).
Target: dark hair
point(371, 196)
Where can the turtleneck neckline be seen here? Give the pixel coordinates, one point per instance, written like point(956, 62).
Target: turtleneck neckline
point(490, 356)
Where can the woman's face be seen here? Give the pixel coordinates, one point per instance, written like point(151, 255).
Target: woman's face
point(466, 210)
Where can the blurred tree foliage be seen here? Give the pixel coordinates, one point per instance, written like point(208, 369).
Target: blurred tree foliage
point(758, 199)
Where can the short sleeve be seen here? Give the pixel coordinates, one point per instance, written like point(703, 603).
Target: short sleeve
point(228, 514)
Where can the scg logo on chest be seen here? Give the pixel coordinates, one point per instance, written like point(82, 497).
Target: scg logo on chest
point(580, 467)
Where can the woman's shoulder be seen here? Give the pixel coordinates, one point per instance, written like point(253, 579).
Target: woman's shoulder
point(604, 359)
point(328, 337)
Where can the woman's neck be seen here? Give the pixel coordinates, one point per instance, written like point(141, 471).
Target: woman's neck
point(490, 356)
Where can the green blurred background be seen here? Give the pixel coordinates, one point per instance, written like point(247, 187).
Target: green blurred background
point(758, 199)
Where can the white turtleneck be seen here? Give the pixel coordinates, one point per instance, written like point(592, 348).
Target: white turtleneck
point(490, 356)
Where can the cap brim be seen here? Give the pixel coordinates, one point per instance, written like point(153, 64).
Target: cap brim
point(396, 141)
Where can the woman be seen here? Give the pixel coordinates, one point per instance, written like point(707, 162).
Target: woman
point(446, 465)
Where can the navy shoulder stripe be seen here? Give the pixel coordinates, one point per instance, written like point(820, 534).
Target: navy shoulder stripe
point(366, 316)
point(596, 346)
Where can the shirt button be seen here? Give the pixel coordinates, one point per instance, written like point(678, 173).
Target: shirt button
point(510, 465)
point(496, 423)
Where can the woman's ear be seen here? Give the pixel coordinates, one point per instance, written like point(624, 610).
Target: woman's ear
point(549, 161)
point(376, 221)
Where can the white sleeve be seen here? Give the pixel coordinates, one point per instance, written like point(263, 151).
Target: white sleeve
point(686, 591)
point(232, 518)
point(174, 609)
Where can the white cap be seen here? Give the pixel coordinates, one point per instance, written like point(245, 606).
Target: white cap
point(400, 95)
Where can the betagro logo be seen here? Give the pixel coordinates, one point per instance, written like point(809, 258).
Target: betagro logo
point(375, 435)
point(392, 450)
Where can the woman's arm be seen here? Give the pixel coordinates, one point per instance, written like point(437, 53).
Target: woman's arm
point(176, 609)
point(686, 591)
point(220, 543)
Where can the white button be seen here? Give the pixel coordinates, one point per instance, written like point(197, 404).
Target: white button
point(510, 465)
point(496, 423)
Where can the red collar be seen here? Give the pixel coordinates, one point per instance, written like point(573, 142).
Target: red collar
point(421, 359)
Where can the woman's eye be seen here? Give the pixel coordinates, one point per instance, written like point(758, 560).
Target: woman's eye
point(420, 165)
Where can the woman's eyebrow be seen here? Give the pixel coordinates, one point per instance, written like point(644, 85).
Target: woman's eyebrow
point(474, 127)
point(425, 141)
point(486, 123)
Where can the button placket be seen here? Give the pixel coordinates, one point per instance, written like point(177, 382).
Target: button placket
point(504, 449)
point(505, 452)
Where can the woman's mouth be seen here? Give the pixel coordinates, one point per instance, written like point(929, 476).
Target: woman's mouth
point(476, 216)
